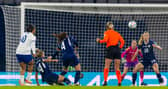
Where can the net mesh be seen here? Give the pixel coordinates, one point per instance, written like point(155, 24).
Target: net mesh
point(12, 35)
point(86, 24)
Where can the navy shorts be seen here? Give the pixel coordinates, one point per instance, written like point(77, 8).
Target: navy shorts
point(148, 63)
point(24, 58)
point(70, 60)
point(51, 78)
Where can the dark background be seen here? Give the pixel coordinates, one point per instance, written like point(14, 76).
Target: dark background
point(17, 2)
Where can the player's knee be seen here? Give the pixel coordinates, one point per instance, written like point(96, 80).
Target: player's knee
point(77, 67)
point(156, 69)
point(135, 70)
point(125, 72)
point(60, 78)
point(22, 72)
point(31, 63)
point(117, 67)
point(106, 67)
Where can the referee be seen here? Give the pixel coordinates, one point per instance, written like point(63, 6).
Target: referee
point(112, 38)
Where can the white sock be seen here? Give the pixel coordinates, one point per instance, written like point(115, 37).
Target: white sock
point(29, 76)
point(22, 79)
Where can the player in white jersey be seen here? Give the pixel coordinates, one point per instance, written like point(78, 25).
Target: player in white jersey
point(24, 52)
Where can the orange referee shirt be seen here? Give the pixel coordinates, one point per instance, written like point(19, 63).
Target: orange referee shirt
point(111, 38)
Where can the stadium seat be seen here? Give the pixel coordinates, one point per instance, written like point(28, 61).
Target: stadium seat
point(135, 1)
point(89, 1)
point(54, 0)
point(1, 1)
point(112, 1)
point(101, 1)
point(124, 1)
point(29, 0)
point(43, 0)
point(8, 1)
point(154, 1)
point(77, 1)
point(65, 0)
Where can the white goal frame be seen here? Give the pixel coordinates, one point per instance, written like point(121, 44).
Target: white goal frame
point(40, 6)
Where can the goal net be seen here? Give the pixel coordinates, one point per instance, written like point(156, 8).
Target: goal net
point(85, 22)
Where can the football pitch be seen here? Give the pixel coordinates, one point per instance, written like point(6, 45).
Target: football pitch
point(82, 87)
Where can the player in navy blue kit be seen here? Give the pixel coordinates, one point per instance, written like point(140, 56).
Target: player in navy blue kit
point(47, 76)
point(68, 46)
point(146, 46)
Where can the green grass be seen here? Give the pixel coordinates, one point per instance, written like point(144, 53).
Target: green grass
point(79, 87)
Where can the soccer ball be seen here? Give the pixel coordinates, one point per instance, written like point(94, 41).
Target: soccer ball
point(132, 24)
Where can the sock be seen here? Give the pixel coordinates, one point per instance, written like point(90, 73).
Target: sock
point(22, 79)
point(67, 81)
point(77, 76)
point(134, 76)
point(29, 76)
point(106, 71)
point(118, 74)
point(141, 76)
point(122, 77)
point(158, 76)
point(63, 73)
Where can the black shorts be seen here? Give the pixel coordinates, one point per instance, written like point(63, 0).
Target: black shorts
point(113, 52)
point(148, 63)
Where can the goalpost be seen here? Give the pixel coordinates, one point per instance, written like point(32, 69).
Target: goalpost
point(85, 22)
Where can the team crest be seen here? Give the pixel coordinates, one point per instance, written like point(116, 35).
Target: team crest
point(149, 46)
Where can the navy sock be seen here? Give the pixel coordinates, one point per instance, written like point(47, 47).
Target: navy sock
point(63, 73)
point(77, 76)
point(67, 81)
point(158, 75)
point(134, 77)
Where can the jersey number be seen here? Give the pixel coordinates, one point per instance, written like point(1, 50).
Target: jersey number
point(63, 46)
point(23, 39)
point(41, 67)
point(146, 50)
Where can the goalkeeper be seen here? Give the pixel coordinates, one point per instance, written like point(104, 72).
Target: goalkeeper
point(129, 52)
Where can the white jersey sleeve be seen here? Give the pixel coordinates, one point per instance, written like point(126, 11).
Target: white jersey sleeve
point(33, 45)
point(26, 44)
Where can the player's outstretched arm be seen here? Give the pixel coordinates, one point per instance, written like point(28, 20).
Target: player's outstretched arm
point(49, 59)
point(36, 76)
point(157, 46)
